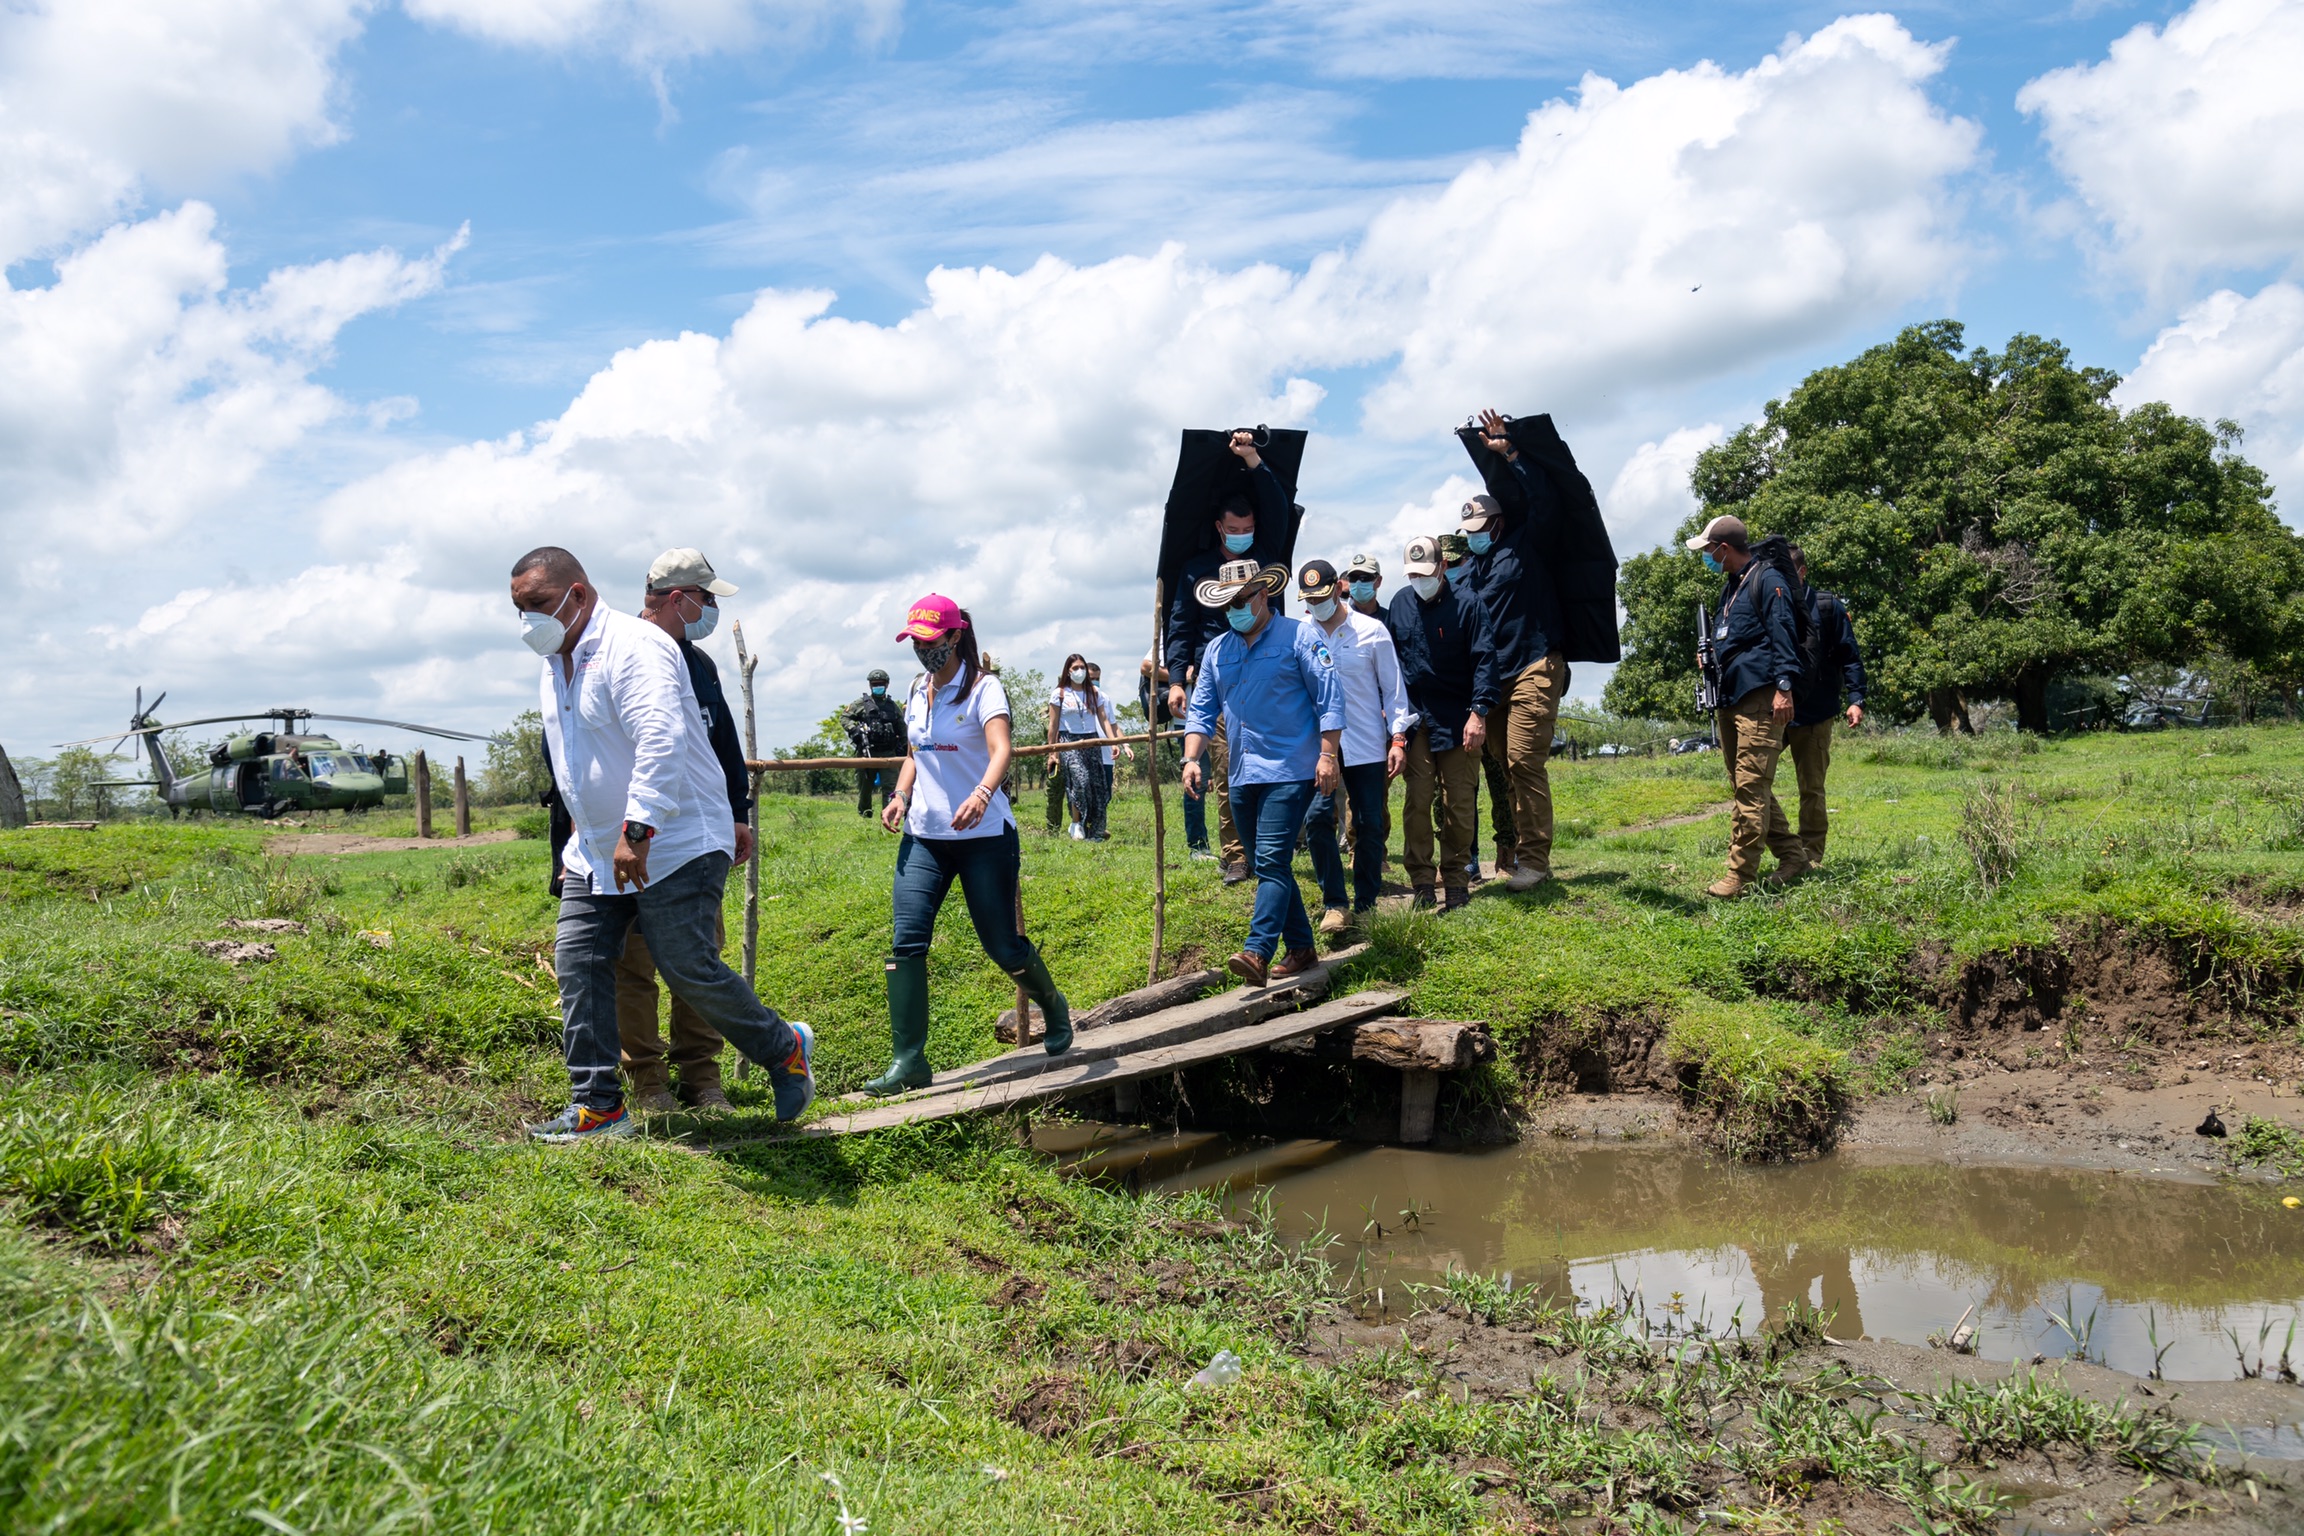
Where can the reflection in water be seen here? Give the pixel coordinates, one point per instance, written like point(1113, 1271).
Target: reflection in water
point(2133, 1266)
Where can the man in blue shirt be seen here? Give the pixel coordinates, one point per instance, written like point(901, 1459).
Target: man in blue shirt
point(1251, 524)
point(1273, 683)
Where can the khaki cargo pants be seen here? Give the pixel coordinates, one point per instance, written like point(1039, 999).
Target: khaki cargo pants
point(1529, 713)
point(1811, 749)
point(1750, 743)
point(1220, 786)
point(695, 1044)
point(1442, 786)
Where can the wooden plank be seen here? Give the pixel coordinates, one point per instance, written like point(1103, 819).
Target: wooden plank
point(1086, 1076)
point(1419, 1106)
point(1165, 1026)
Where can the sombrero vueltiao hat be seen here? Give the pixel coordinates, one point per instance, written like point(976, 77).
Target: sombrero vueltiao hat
point(1234, 577)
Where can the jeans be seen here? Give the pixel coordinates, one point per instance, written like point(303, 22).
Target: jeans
point(681, 912)
point(1196, 823)
point(1269, 817)
point(986, 868)
point(1367, 798)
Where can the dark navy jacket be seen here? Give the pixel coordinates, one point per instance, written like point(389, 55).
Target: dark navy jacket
point(1754, 634)
point(1447, 662)
point(1523, 605)
point(1835, 667)
point(1191, 626)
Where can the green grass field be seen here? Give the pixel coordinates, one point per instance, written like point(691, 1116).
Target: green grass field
point(274, 1257)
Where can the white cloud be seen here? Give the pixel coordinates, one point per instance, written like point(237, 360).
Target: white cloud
point(1675, 228)
point(2237, 358)
point(1650, 495)
point(2187, 141)
point(654, 31)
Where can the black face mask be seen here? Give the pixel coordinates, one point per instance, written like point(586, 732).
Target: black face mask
point(934, 656)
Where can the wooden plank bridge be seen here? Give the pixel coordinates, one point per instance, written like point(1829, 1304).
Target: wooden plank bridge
point(1173, 1025)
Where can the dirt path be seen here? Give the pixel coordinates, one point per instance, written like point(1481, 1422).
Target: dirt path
point(1689, 820)
point(360, 842)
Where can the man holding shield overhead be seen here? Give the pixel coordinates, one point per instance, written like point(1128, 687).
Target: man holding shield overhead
point(1251, 521)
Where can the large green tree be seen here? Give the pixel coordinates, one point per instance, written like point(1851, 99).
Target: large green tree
point(1995, 521)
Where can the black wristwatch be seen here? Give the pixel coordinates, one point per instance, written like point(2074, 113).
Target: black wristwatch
point(637, 833)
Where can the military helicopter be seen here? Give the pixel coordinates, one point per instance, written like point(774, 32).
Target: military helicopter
point(269, 773)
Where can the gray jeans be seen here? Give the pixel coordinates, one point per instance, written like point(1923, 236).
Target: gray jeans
point(681, 913)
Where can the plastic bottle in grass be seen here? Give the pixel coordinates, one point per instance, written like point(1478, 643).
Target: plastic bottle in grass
point(1219, 1372)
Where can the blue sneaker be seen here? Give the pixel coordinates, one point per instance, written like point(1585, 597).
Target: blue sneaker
point(795, 1081)
point(577, 1123)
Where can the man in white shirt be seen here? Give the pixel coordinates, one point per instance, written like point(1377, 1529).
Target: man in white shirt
point(1377, 721)
point(653, 839)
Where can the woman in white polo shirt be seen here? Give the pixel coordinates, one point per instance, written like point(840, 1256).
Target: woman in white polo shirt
point(957, 826)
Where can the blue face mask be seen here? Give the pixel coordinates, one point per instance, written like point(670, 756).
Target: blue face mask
point(703, 625)
point(1363, 591)
point(1239, 543)
point(1478, 542)
point(879, 690)
point(1242, 620)
point(1712, 564)
point(1457, 573)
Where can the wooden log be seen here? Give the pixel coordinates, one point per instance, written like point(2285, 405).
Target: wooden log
point(1419, 1106)
point(1128, 1005)
point(463, 801)
point(421, 782)
point(1422, 1045)
point(1072, 1077)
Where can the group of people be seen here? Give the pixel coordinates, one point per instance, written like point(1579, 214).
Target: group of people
point(1299, 727)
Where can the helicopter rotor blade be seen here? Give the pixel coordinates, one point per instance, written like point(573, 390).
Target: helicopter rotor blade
point(173, 725)
point(403, 725)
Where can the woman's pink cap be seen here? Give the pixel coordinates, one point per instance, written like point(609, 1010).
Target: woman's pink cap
point(930, 617)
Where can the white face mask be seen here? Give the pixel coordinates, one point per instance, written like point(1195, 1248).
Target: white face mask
point(1324, 611)
point(543, 633)
point(1079, 676)
point(1427, 587)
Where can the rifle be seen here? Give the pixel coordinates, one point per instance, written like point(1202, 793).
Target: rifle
point(1707, 664)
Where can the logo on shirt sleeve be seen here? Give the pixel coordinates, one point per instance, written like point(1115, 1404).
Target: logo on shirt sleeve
point(1321, 651)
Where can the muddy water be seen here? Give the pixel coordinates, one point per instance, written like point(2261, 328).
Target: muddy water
point(2053, 1262)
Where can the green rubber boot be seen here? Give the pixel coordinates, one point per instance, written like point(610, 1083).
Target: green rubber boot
point(1039, 986)
point(908, 1023)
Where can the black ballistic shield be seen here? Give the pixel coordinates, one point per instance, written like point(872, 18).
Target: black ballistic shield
point(1207, 471)
point(1581, 560)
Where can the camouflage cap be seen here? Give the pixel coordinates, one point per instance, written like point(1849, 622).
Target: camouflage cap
point(1454, 547)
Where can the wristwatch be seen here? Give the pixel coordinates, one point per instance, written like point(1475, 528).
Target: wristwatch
point(637, 833)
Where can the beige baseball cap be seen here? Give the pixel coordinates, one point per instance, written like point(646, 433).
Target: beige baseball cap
point(1722, 530)
point(1362, 564)
point(1478, 513)
point(1423, 556)
point(686, 568)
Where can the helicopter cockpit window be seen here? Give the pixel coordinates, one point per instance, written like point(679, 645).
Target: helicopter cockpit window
point(282, 768)
point(323, 765)
point(359, 762)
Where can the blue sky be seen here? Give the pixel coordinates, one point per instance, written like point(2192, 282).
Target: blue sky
point(331, 308)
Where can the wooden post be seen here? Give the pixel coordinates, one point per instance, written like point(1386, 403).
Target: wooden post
point(745, 663)
point(463, 802)
point(421, 782)
point(1152, 777)
point(1419, 1105)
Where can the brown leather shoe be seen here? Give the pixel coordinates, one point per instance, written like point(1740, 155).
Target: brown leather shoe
point(1296, 963)
point(1727, 888)
point(1455, 898)
point(1249, 968)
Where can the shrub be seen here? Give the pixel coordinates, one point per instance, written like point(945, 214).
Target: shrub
point(1994, 828)
point(93, 1167)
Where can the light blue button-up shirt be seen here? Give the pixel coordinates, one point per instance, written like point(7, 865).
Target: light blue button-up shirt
point(1277, 693)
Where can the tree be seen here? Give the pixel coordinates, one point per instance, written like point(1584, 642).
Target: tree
point(12, 812)
point(1995, 522)
point(515, 772)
